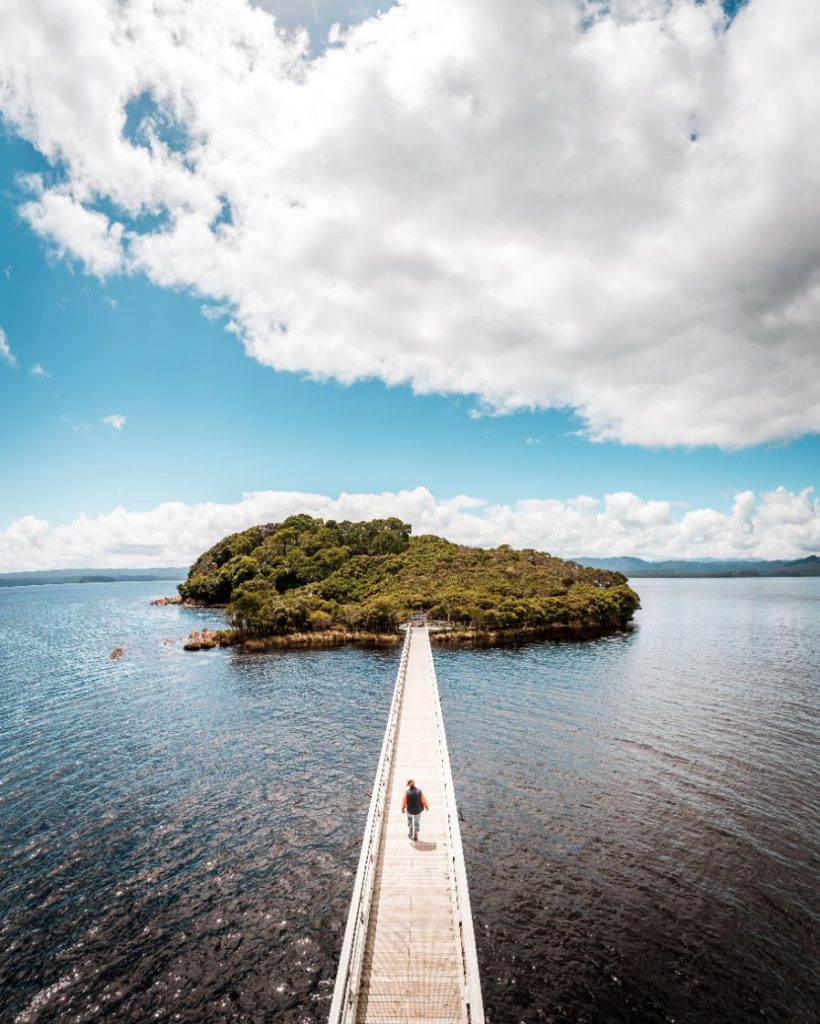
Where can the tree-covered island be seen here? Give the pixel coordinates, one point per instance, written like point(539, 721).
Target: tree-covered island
point(306, 582)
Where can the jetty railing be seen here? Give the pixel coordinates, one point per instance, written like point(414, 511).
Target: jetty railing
point(348, 978)
point(354, 995)
point(473, 1002)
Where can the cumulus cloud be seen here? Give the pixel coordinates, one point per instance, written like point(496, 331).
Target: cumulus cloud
point(117, 421)
point(612, 208)
point(777, 524)
point(39, 371)
point(6, 353)
point(76, 230)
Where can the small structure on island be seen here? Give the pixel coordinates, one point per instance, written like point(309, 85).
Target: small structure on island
point(416, 619)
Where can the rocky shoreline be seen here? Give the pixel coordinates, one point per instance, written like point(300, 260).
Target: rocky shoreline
point(514, 637)
point(184, 602)
point(208, 639)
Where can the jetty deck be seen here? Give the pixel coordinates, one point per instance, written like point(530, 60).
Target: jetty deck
point(409, 948)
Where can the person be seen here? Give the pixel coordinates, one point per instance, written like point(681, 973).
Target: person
point(414, 803)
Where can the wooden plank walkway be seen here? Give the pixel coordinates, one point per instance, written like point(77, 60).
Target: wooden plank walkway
point(409, 948)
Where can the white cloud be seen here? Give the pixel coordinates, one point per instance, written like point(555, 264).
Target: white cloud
point(75, 230)
point(78, 428)
point(473, 196)
point(215, 313)
point(117, 421)
point(6, 353)
point(778, 524)
point(38, 371)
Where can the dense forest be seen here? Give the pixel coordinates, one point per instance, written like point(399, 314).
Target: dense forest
point(307, 576)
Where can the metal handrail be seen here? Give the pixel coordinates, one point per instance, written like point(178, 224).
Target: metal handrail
point(474, 1004)
point(346, 991)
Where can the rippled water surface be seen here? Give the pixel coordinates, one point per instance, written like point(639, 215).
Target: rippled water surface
point(179, 832)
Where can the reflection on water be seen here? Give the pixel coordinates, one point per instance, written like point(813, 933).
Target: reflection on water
point(179, 832)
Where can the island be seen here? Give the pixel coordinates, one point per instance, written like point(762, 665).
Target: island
point(310, 582)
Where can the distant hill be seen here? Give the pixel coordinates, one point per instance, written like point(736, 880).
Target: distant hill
point(51, 576)
point(638, 567)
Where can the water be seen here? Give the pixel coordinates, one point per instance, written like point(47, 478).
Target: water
point(179, 832)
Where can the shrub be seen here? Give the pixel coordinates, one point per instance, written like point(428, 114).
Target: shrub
point(319, 620)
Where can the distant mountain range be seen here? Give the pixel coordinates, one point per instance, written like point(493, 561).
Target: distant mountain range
point(633, 567)
point(637, 567)
point(32, 579)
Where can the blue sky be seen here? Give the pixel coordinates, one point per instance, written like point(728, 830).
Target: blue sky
point(205, 421)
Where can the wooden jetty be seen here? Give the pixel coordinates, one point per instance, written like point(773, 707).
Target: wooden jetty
point(409, 948)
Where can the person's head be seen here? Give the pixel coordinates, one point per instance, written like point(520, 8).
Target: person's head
point(410, 783)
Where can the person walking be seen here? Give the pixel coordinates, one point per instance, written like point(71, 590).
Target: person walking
point(414, 803)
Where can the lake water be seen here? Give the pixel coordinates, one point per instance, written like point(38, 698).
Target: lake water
point(179, 832)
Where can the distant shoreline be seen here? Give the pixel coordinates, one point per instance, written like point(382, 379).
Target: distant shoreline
point(52, 577)
point(734, 568)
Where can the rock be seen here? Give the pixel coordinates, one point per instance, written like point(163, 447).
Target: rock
point(203, 641)
point(117, 653)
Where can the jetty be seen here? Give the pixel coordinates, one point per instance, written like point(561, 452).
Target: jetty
point(409, 947)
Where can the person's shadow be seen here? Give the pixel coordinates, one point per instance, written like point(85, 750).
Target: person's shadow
point(421, 845)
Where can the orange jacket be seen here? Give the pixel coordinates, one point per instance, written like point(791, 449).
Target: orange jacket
point(424, 804)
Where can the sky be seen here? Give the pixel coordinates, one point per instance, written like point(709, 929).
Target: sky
point(544, 274)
